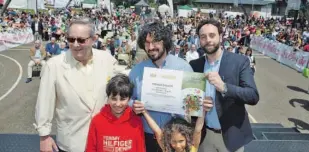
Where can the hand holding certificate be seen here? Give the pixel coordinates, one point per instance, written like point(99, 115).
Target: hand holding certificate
point(173, 91)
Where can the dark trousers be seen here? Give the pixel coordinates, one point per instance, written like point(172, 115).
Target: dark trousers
point(253, 70)
point(151, 143)
point(57, 36)
point(103, 33)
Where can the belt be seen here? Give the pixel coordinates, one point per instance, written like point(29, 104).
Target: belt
point(218, 131)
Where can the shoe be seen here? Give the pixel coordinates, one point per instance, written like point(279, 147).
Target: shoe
point(28, 80)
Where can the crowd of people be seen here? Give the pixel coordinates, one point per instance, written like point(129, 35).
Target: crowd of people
point(97, 111)
point(124, 25)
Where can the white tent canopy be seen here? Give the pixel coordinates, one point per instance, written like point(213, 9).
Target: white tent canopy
point(163, 8)
point(26, 4)
point(142, 3)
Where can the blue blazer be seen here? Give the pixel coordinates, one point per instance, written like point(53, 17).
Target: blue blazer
point(241, 90)
point(52, 50)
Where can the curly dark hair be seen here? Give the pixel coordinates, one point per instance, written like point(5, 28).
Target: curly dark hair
point(180, 125)
point(159, 32)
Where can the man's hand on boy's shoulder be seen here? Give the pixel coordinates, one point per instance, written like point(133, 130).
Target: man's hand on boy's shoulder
point(138, 107)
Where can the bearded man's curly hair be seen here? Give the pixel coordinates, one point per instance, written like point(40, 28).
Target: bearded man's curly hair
point(158, 32)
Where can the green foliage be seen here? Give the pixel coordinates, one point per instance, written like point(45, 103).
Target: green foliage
point(153, 5)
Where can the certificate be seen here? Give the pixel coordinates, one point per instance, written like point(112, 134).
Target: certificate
point(173, 91)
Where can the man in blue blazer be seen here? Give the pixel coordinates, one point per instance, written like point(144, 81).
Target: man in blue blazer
point(178, 52)
point(52, 47)
point(230, 85)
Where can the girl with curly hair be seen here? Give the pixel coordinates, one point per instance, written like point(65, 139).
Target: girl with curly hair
point(177, 135)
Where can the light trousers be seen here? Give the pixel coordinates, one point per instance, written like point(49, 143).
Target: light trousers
point(37, 36)
point(31, 64)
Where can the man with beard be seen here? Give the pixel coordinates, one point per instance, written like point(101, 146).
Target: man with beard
point(156, 40)
point(231, 85)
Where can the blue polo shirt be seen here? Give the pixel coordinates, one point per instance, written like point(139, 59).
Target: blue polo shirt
point(211, 118)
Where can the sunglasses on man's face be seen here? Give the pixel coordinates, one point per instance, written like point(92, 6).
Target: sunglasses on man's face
point(79, 40)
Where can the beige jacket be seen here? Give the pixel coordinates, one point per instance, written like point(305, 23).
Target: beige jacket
point(33, 50)
point(61, 94)
point(128, 49)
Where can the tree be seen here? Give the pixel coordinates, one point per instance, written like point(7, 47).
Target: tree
point(152, 3)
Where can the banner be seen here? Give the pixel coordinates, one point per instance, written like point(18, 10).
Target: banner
point(288, 57)
point(284, 54)
point(302, 61)
point(15, 38)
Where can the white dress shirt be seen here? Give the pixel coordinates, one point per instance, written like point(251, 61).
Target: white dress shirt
point(192, 55)
point(36, 26)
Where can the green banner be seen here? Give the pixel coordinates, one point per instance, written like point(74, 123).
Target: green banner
point(90, 2)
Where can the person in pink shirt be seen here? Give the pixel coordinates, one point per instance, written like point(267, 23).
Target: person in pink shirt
point(306, 47)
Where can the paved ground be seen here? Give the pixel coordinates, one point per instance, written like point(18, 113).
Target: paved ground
point(283, 97)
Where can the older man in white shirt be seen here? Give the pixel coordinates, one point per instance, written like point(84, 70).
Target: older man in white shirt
point(192, 54)
point(73, 89)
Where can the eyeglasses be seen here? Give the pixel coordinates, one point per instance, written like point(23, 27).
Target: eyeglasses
point(79, 40)
point(156, 43)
